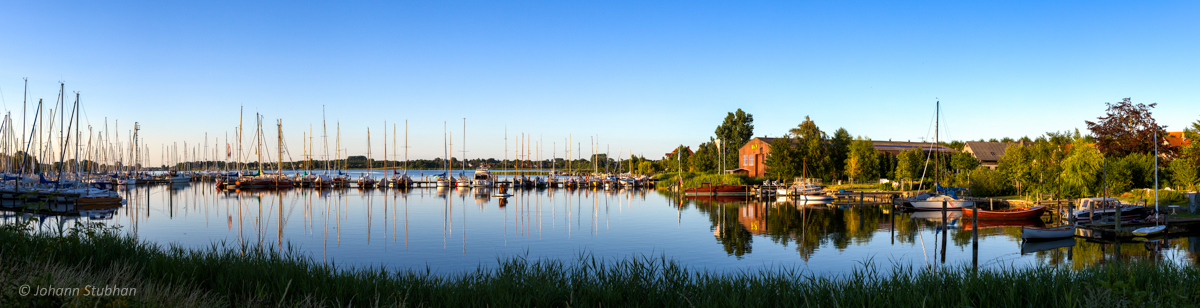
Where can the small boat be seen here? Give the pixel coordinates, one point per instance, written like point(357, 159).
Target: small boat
point(1030, 233)
point(707, 189)
point(1036, 246)
point(1105, 209)
point(1021, 213)
point(1151, 230)
point(483, 178)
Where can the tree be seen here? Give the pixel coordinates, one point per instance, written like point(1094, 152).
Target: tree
point(1184, 174)
point(863, 161)
point(1192, 150)
point(704, 160)
point(1081, 170)
point(909, 164)
point(733, 133)
point(781, 163)
point(1017, 165)
point(839, 151)
point(645, 167)
point(1127, 128)
point(814, 158)
point(963, 161)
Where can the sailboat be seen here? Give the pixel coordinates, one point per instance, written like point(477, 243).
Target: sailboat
point(366, 180)
point(941, 196)
point(1158, 227)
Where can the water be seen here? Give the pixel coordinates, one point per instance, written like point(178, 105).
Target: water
point(454, 230)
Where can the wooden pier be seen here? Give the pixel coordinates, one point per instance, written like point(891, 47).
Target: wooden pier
point(1109, 230)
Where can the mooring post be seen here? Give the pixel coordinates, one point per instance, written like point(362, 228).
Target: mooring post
point(1118, 230)
point(861, 195)
point(1070, 213)
point(975, 237)
point(944, 231)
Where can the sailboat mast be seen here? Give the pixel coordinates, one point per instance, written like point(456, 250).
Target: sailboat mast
point(279, 124)
point(937, 117)
point(241, 112)
point(464, 145)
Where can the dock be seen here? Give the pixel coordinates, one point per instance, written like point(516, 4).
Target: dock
point(1109, 230)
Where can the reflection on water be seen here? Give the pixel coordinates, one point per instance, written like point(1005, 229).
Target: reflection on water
point(455, 229)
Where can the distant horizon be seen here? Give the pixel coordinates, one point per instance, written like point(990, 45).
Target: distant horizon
point(640, 77)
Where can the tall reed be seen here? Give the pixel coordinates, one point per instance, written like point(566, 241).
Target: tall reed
point(248, 276)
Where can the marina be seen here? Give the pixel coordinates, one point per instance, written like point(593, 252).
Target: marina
point(456, 229)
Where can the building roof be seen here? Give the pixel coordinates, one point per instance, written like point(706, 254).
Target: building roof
point(1176, 139)
point(986, 151)
point(672, 153)
point(902, 145)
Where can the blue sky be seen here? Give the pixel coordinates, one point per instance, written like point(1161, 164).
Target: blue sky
point(643, 76)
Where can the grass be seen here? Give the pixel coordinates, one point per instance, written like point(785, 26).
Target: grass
point(694, 179)
point(227, 276)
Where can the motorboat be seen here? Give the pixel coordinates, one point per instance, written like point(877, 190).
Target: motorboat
point(483, 178)
point(1105, 209)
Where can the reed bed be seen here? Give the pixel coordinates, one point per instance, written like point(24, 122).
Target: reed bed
point(221, 275)
point(693, 179)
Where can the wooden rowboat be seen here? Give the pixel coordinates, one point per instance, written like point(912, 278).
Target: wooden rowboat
point(1021, 213)
point(1029, 233)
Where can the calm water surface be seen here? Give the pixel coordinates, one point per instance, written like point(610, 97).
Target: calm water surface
point(453, 230)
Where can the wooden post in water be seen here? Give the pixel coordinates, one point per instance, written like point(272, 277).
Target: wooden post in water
point(861, 195)
point(1070, 213)
point(892, 220)
point(975, 238)
point(944, 231)
point(1117, 233)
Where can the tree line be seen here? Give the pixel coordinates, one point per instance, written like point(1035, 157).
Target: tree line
point(1115, 156)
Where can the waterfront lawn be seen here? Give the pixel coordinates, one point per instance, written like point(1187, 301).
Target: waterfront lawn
point(250, 277)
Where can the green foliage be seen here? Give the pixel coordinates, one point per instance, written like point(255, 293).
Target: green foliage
point(1117, 176)
point(1184, 174)
point(734, 132)
point(839, 151)
point(672, 163)
point(694, 179)
point(985, 182)
point(704, 160)
point(1017, 165)
point(963, 161)
point(1164, 196)
point(909, 165)
point(783, 162)
point(1082, 171)
point(646, 167)
point(863, 161)
point(812, 150)
point(1141, 169)
point(251, 276)
point(1192, 150)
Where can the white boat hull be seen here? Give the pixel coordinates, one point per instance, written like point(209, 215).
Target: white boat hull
point(1047, 233)
point(1151, 230)
point(937, 205)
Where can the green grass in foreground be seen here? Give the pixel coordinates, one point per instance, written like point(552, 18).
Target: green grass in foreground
point(224, 276)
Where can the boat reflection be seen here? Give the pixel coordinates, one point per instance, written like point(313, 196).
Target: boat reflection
point(967, 225)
